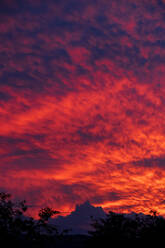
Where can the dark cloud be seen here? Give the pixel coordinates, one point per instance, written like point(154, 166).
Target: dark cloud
point(151, 162)
point(78, 222)
point(108, 197)
point(4, 96)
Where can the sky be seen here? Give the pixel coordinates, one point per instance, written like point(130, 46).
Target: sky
point(82, 103)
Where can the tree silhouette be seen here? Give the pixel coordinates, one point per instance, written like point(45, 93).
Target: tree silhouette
point(16, 229)
point(130, 230)
point(46, 213)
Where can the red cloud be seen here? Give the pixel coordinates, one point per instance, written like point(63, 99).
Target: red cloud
point(82, 105)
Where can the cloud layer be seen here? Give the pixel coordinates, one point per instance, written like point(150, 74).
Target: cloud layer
point(82, 103)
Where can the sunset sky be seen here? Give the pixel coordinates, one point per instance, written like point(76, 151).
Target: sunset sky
point(82, 103)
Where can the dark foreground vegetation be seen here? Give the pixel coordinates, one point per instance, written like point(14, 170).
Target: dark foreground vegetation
point(132, 230)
